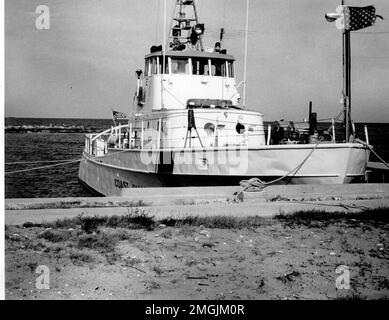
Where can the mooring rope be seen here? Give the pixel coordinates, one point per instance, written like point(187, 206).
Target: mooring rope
point(258, 184)
point(32, 162)
point(62, 162)
point(371, 149)
point(43, 167)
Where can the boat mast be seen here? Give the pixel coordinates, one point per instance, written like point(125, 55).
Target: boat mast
point(346, 80)
point(185, 19)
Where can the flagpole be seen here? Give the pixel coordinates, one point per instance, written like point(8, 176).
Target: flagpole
point(346, 80)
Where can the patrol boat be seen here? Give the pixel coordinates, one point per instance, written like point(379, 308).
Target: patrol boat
point(188, 128)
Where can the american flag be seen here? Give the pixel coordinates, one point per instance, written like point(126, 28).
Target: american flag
point(356, 18)
point(116, 115)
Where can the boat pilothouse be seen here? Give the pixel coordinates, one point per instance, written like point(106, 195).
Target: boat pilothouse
point(199, 83)
point(189, 78)
point(187, 127)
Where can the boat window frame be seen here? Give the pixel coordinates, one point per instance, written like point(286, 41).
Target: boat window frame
point(147, 71)
point(159, 63)
point(225, 75)
point(154, 65)
point(230, 67)
point(188, 65)
point(198, 60)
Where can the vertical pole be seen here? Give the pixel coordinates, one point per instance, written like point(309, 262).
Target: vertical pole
point(215, 138)
point(163, 54)
point(141, 137)
point(130, 137)
point(366, 135)
point(310, 118)
point(346, 80)
point(268, 134)
point(120, 135)
point(245, 54)
point(159, 133)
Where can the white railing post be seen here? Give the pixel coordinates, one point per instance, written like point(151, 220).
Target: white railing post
point(268, 134)
point(366, 135)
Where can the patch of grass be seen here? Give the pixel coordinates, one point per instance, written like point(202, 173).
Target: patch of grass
point(219, 222)
point(79, 257)
point(320, 218)
point(55, 235)
point(35, 245)
point(28, 225)
point(135, 219)
point(97, 241)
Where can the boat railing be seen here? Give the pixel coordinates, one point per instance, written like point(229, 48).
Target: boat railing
point(97, 144)
point(135, 136)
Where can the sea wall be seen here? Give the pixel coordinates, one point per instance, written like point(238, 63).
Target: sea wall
point(48, 129)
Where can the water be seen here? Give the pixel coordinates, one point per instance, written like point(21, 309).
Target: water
point(62, 181)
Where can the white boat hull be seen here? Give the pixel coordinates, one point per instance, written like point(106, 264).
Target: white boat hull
point(121, 169)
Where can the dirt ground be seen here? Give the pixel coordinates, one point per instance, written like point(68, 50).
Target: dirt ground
point(268, 259)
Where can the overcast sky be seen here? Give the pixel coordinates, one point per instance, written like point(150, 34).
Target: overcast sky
point(85, 63)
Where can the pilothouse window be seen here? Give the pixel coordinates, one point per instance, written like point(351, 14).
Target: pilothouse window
point(154, 65)
point(179, 66)
point(218, 68)
point(147, 65)
point(161, 60)
point(200, 66)
point(230, 69)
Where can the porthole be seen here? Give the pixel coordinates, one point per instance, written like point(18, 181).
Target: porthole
point(209, 128)
point(240, 128)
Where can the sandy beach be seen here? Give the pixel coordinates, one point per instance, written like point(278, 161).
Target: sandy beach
point(133, 257)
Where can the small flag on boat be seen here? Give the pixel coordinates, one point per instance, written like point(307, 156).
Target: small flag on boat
point(353, 18)
point(116, 115)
